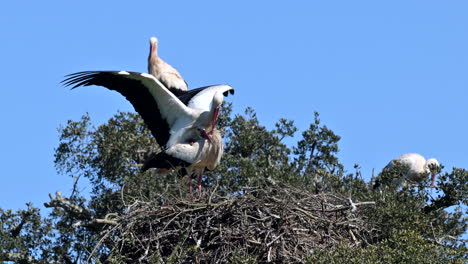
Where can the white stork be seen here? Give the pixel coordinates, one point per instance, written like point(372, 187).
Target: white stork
point(164, 72)
point(183, 124)
point(417, 168)
point(201, 154)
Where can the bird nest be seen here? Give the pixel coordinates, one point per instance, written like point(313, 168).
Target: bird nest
point(271, 224)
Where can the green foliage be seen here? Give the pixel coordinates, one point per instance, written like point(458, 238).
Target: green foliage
point(316, 160)
point(252, 153)
point(24, 235)
point(454, 188)
point(413, 225)
point(401, 247)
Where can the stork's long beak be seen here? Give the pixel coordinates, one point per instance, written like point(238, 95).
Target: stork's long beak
point(215, 118)
point(206, 135)
point(433, 179)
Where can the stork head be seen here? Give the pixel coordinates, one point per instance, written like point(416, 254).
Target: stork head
point(432, 167)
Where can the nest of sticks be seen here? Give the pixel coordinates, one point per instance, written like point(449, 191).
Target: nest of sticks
point(270, 224)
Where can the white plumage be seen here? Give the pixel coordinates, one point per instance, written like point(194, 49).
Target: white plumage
point(201, 153)
point(184, 125)
point(164, 72)
point(417, 168)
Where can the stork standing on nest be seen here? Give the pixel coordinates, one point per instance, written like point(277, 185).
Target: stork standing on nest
point(164, 72)
point(416, 168)
point(184, 125)
point(202, 154)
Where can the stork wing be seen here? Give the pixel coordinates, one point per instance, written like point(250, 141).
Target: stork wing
point(158, 107)
point(201, 98)
point(162, 160)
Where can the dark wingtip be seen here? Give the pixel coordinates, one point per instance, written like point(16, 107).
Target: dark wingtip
point(77, 79)
point(226, 93)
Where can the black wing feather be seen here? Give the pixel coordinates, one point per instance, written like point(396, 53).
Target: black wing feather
point(162, 160)
point(186, 96)
point(135, 92)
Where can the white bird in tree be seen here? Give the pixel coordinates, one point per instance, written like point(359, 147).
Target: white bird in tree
point(415, 168)
point(184, 125)
point(164, 72)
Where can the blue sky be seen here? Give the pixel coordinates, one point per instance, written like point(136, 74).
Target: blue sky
point(389, 78)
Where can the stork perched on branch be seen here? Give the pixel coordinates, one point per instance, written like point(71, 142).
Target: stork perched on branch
point(182, 122)
point(415, 168)
point(164, 72)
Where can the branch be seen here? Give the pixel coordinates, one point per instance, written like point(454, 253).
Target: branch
point(353, 206)
point(83, 214)
point(94, 222)
point(97, 221)
point(15, 231)
point(456, 239)
point(72, 208)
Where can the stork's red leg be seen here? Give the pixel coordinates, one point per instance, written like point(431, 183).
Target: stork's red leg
point(199, 185)
point(190, 186)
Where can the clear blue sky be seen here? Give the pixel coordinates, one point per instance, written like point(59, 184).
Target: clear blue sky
point(389, 78)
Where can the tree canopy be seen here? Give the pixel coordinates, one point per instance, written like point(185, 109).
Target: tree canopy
point(266, 201)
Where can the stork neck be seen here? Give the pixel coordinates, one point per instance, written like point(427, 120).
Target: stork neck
point(154, 48)
point(153, 55)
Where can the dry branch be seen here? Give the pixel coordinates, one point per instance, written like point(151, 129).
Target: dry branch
point(84, 215)
point(276, 223)
point(63, 202)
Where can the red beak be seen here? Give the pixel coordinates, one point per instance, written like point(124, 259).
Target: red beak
point(433, 179)
point(206, 135)
point(215, 118)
